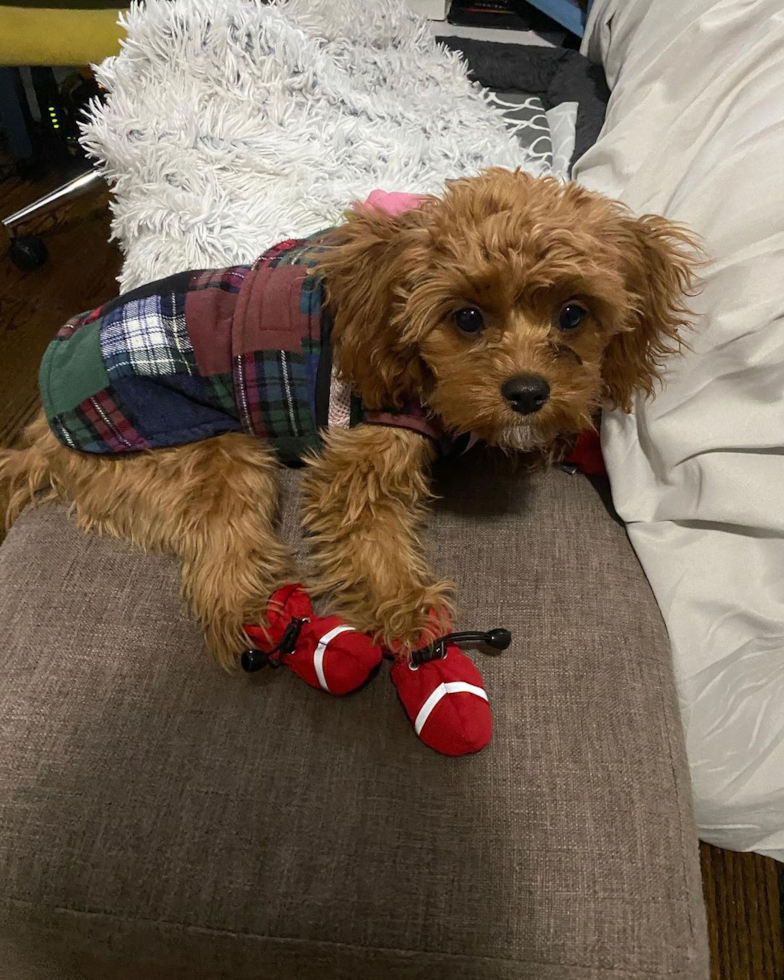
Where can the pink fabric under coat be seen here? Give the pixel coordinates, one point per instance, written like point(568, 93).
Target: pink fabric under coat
point(393, 202)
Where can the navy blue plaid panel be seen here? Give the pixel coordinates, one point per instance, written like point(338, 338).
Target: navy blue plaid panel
point(147, 337)
point(175, 410)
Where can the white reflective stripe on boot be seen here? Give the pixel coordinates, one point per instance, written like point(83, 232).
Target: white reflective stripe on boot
point(450, 687)
point(321, 647)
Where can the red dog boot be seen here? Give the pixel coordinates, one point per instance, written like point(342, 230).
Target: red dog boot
point(446, 701)
point(324, 652)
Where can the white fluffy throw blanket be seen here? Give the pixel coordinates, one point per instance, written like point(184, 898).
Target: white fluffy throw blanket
point(232, 124)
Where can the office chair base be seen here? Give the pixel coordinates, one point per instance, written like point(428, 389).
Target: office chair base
point(86, 183)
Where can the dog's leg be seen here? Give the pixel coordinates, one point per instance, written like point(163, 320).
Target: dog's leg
point(25, 472)
point(225, 534)
point(212, 504)
point(364, 499)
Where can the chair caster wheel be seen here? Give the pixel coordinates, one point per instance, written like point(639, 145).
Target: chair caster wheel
point(27, 252)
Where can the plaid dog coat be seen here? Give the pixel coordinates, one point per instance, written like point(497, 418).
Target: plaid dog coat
point(244, 349)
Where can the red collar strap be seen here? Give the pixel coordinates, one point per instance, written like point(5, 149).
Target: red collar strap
point(415, 417)
point(411, 416)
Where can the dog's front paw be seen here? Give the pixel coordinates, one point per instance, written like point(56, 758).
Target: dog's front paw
point(408, 622)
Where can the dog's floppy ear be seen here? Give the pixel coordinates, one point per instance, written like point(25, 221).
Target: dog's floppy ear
point(368, 266)
point(659, 260)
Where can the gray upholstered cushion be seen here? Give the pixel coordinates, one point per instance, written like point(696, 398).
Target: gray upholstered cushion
point(161, 819)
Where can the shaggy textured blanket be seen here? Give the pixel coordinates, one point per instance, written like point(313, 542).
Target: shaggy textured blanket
point(232, 124)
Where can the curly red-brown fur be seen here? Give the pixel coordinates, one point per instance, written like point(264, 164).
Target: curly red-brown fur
point(514, 247)
point(519, 248)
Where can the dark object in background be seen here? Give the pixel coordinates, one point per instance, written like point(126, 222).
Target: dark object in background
point(42, 117)
point(512, 15)
point(51, 126)
point(44, 141)
point(76, 92)
point(15, 118)
point(555, 75)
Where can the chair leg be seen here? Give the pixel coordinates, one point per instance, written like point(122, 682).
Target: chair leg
point(87, 183)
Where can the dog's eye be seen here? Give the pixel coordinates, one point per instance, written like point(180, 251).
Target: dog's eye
point(469, 320)
point(571, 316)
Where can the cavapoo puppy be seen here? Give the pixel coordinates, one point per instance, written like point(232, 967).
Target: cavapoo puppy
point(509, 310)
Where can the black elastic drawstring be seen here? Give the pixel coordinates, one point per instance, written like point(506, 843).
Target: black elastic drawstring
point(497, 638)
point(253, 659)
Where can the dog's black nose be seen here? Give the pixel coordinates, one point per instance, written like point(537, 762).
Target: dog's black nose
point(526, 393)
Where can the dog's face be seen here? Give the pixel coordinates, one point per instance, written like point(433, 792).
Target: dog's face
point(513, 306)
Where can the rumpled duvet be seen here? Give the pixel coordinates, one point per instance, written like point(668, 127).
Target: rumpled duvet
point(695, 131)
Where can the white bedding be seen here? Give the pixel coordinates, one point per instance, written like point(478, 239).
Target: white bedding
point(695, 131)
point(232, 124)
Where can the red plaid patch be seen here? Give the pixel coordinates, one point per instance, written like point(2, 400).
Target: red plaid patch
point(269, 257)
point(229, 280)
point(69, 329)
point(111, 424)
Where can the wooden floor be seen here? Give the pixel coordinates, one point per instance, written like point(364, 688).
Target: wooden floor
point(80, 273)
point(741, 890)
point(742, 895)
